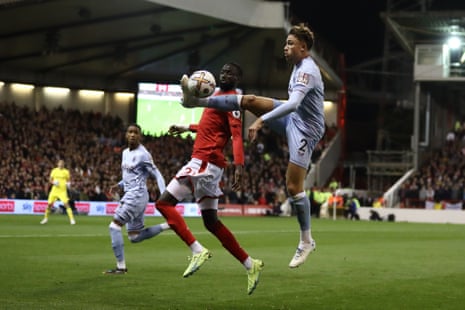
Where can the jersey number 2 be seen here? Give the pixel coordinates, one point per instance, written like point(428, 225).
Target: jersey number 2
point(303, 146)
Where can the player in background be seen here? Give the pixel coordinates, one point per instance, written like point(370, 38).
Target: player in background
point(136, 166)
point(59, 179)
point(201, 176)
point(300, 119)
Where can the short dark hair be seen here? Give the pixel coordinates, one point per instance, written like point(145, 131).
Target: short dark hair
point(237, 66)
point(135, 125)
point(303, 33)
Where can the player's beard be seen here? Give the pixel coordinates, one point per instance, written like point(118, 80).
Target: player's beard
point(226, 86)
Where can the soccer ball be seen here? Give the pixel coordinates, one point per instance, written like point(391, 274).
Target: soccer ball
point(201, 83)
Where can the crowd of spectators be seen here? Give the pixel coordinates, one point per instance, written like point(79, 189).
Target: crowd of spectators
point(91, 145)
point(442, 177)
point(32, 142)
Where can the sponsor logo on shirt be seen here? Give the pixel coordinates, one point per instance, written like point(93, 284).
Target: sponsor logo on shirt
point(303, 78)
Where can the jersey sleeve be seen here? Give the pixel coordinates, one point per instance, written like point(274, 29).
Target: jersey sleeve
point(235, 126)
point(304, 81)
point(194, 127)
point(152, 169)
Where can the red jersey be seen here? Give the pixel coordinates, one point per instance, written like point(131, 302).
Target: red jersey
point(214, 131)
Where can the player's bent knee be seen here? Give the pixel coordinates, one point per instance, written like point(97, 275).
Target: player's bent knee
point(114, 226)
point(247, 100)
point(134, 237)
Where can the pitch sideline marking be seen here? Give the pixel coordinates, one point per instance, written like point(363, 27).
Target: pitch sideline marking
point(242, 232)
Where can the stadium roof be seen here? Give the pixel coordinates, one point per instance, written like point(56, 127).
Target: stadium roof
point(429, 27)
point(432, 27)
point(113, 44)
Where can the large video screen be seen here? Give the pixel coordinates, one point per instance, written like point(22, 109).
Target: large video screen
point(158, 107)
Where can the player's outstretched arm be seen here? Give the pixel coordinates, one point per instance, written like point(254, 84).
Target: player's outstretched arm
point(177, 130)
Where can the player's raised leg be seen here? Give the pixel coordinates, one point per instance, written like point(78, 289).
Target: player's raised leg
point(228, 103)
point(188, 99)
point(258, 105)
point(149, 232)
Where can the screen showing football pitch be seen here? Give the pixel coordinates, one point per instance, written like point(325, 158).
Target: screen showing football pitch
point(158, 107)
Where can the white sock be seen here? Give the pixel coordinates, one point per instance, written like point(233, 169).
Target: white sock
point(248, 263)
point(164, 226)
point(196, 247)
point(121, 265)
point(305, 236)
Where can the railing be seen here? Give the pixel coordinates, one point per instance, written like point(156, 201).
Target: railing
point(391, 196)
point(385, 167)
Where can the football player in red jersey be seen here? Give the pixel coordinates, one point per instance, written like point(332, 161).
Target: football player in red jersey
point(201, 176)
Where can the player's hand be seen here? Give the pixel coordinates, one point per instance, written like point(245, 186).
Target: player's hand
point(56, 183)
point(238, 172)
point(254, 128)
point(177, 129)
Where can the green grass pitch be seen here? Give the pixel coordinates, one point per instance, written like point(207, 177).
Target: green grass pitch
point(357, 265)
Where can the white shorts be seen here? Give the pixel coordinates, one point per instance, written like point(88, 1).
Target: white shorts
point(200, 179)
point(131, 210)
point(300, 143)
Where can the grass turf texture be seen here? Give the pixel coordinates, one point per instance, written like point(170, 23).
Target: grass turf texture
point(357, 265)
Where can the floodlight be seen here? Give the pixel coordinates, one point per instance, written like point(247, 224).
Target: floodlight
point(454, 42)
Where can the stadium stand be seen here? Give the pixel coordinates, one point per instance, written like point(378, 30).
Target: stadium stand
point(91, 144)
point(439, 183)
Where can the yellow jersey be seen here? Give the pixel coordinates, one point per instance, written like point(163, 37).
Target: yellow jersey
point(60, 175)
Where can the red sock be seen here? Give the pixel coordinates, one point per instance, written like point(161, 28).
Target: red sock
point(176, 221)
point(228, 241)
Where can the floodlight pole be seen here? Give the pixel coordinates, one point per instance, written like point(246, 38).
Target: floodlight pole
point(416, 126)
